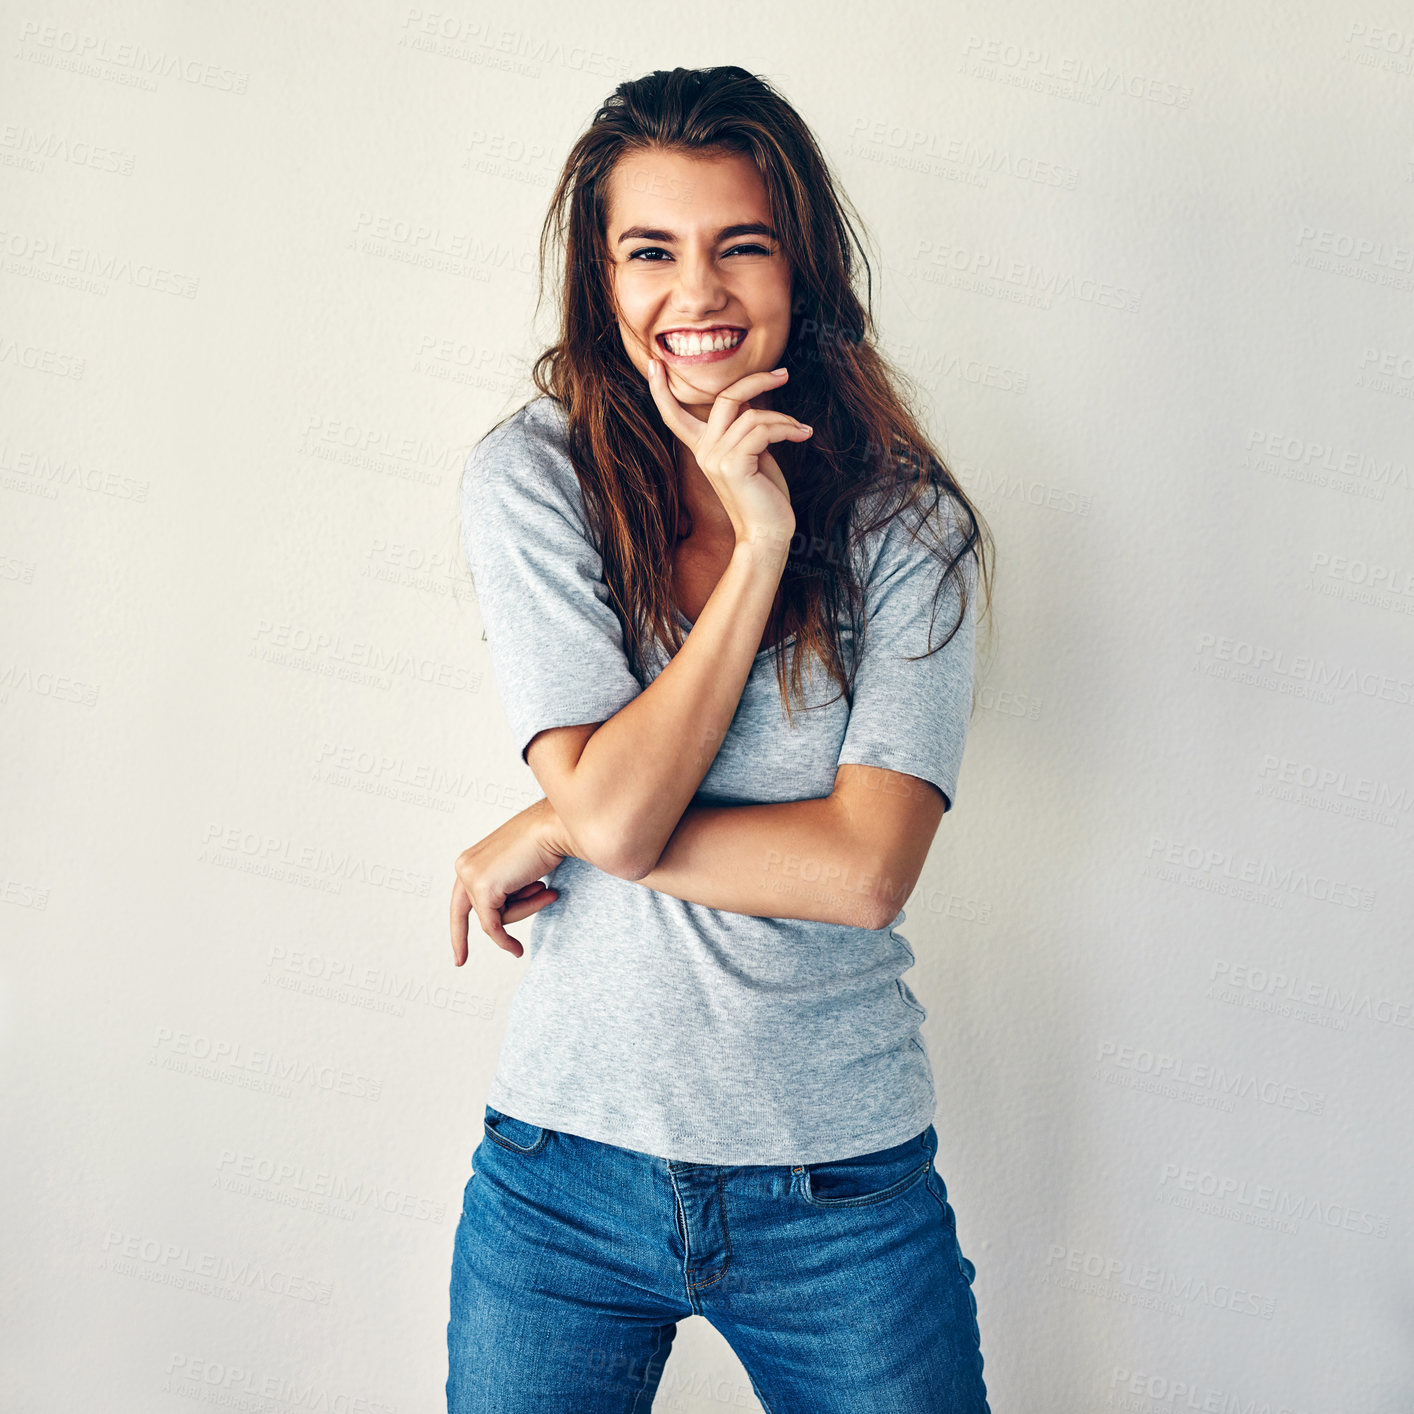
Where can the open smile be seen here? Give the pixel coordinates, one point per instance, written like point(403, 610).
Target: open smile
point(705, 346)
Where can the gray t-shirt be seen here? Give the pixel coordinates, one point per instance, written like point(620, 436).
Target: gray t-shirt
point(662, 1025)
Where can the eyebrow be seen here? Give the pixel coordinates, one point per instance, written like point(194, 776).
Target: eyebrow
point(652, 233)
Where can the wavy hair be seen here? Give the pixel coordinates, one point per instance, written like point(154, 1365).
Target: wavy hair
point(868, 451)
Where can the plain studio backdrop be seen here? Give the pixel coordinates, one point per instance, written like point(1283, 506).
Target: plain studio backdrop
point(270, 272)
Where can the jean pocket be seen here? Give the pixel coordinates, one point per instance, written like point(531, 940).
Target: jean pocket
point(867, 1178)
point(514, 1134)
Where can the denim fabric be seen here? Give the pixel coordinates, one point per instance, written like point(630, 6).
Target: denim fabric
point(840, 1286)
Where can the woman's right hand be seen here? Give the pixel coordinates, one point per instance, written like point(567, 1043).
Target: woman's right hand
point(731, 448)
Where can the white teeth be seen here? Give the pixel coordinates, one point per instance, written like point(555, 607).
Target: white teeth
point(685, 345)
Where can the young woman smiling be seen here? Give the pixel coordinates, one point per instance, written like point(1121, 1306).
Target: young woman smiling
point(712, 1096)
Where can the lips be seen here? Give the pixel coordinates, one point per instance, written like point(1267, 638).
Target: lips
point(704, 340)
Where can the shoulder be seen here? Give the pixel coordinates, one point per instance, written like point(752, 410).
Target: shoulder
point(535, 435)
point(907, 535)
point(524, 462)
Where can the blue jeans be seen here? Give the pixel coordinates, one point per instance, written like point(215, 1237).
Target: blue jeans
point(840, 1286)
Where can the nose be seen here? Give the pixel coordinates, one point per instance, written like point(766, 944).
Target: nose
point(699, 290)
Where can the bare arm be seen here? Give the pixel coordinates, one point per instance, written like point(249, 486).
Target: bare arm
point(621, 786)
point(852, 857)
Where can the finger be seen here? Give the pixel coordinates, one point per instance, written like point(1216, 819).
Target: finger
point(754, 434)
point(685, 426)
point(525, 891)
point(490, 921)
point(726, 405)
point(729, 403)
point(523, 908)
point(461, 910)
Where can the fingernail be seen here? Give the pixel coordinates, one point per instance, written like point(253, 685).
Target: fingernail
point(774, 371)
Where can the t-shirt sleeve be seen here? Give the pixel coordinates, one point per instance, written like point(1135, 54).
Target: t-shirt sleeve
point(555, 643)
point(913, 716)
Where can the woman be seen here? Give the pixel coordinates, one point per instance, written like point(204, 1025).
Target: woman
point(712, 1096)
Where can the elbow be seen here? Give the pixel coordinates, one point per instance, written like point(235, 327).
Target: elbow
point(865, 907)
point(881, 916)
point(624, 865)
point(614, 851)
point(882, 903)
point(633, 862)
point(874, 916)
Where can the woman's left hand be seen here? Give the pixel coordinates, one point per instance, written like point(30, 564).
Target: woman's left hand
point(499, 878)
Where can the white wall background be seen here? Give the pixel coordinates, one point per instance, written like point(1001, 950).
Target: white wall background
point(268, 272)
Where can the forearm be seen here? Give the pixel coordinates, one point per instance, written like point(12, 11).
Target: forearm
point(797, 859)
point(638, 772)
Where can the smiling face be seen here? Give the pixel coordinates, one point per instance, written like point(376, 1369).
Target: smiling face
point(692, 248)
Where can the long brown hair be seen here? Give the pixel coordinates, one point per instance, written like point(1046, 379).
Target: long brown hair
point(867, 442)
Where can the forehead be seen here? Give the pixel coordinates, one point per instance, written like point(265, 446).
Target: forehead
point(680, 191)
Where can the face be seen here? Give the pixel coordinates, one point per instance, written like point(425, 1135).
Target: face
point(680, 262)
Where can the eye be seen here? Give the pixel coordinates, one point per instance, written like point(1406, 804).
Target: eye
point(658, 250)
